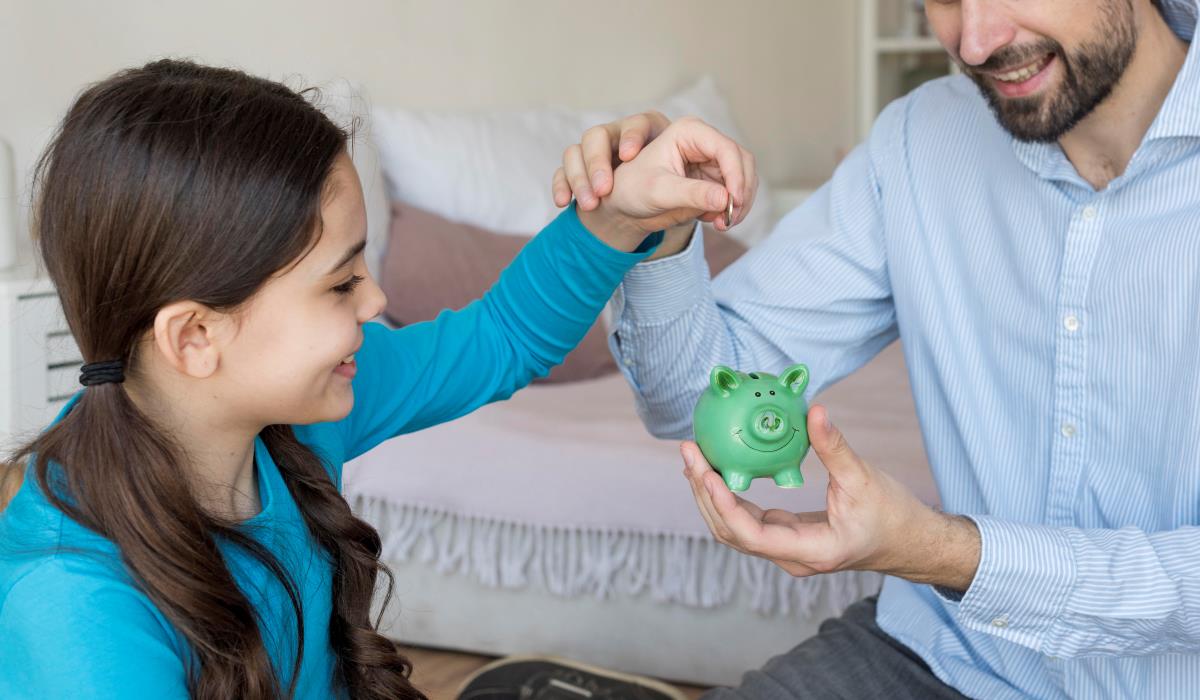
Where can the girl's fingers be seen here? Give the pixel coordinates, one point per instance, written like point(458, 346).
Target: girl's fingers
point(577, 178)
point(599, 144)
point(638, 130)
point(560, 188)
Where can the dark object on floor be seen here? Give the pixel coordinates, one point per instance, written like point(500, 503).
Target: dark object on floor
point(546, 678)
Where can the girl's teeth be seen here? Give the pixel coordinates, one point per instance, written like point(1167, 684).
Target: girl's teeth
point(347, 360)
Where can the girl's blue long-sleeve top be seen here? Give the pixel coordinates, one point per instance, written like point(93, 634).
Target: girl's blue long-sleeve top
point(74, 624)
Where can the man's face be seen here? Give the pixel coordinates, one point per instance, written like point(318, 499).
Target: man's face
point(1043, 65)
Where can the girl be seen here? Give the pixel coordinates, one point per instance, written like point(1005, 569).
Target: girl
point(180, 530)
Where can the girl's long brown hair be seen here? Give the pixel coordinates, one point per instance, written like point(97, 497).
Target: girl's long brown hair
point(178, 181)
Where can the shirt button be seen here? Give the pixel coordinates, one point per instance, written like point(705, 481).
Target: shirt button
point(1068, 430)
point(628, 362)
point(1000, 622)
point(1071, 323)
point(1089, 213)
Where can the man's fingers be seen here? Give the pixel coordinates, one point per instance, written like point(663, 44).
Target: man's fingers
point(577, 178)
point(750, 507)
point(698, 143)
point(598, 145)
point(745, 529)
point(831, 447)
point(697, 469)
point(699, 493)
point(750, 188)
point(795, 541)
point(794, 520)
point(676, 192)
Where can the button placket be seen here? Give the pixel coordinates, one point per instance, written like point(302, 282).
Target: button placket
point(1079, 252)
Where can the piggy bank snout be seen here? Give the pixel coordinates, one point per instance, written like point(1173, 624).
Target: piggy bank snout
point(770, 425)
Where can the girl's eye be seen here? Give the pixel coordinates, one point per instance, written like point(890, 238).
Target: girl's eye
point(348, 286)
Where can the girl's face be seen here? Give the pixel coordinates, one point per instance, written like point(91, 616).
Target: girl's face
point(291, 357)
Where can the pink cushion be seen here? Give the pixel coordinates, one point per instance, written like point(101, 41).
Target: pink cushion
point(433, 263)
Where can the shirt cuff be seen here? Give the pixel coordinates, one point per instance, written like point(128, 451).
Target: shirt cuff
point(664, 289)
point(1020, 590)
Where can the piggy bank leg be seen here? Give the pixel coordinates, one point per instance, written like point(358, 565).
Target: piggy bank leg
point(790, 478)
point(736, 481)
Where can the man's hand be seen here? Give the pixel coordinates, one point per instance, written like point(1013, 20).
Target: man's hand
point(587, 170)
point(691, 170)
point(871, 522)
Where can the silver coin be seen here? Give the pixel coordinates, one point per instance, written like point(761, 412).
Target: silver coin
point(729, 212)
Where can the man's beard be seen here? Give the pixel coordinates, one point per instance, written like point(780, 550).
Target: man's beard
point(1089, 76)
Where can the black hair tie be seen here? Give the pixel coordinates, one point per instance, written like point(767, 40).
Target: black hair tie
point(102, 373)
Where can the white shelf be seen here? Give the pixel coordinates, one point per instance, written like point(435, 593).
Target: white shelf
point(882, 58)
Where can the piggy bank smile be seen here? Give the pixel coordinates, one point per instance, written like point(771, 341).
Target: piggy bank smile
point(738, 433)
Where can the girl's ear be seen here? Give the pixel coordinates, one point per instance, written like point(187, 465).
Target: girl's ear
point(185, 338)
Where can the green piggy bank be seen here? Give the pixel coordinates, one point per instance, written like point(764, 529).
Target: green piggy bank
point(751, 425)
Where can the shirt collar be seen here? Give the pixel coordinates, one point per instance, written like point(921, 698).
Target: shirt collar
point(1179, 115)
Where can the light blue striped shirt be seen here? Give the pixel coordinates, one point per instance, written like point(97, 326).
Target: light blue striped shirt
point(1052, 334)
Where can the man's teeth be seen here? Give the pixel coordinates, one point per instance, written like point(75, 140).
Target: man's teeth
point(1020, 75)
point(348, 359)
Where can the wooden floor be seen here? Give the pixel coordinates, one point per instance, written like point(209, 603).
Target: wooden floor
point(438, 673)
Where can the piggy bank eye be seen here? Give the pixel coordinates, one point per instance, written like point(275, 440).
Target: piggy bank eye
point(772, 393)
point(758, 393)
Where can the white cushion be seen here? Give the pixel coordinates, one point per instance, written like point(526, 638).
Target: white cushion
point(493, 168)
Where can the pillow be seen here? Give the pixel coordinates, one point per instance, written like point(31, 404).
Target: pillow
point(492, 169)
point(432, 264)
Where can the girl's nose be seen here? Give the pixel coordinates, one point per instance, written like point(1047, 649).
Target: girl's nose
point(374, 300)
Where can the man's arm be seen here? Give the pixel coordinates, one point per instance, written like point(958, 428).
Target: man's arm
point(1072, 592)
point(816, 291)
point(1061, 591)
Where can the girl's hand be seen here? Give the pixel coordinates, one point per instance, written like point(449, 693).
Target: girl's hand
point(687, 172)
point(587, 168)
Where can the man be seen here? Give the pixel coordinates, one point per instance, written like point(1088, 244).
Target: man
point(1031, 230)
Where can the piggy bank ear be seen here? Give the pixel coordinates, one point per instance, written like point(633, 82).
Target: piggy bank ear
point(723, 380)
point(795, 379)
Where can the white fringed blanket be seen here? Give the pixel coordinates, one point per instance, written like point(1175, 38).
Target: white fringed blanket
point(560, 488)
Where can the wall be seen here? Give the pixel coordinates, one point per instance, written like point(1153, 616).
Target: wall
point(787, 66)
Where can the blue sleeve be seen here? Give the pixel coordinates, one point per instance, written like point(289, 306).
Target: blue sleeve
point(68, 634)
point(539, 310)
